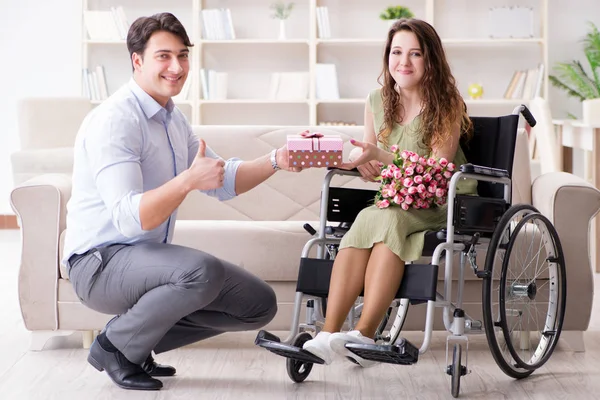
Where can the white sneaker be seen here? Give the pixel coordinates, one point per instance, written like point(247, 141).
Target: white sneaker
point(319, 346)
point(337, 342)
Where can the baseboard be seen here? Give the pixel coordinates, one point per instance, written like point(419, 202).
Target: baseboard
point(8, 222)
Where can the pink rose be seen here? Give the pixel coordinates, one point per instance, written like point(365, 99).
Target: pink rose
point(408, 200)
point(409, 171)
point(420, 169)
point(414, 157)
point(447, 174)
point(451, 167)
point(404, 191)
point(431, 189)
point(408, 182)
point(386, 173)
point(388, 191)
point(394, 148)
point(443, 162)
point(398, 199)
point(404, 154)
point(383, 204)
point(404, 206)
point(412, 190)
point(418, 179)
point(421, 188)
point(438, 177)
point(427, 177)
point(431, 162)
point(440, 193)
point(397, 174)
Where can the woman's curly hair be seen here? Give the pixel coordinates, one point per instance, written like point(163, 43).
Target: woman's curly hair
point(443, 104)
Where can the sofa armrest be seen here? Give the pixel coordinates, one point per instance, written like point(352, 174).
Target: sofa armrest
point(40, 206)
point(570, 203)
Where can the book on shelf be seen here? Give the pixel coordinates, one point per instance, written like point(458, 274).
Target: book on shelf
point(525, 84)
point(217, 24)
point(106, 25)
point(326, 82)
point(323, 27)
point(289, 86)
point(214, 84)
point(94, 84)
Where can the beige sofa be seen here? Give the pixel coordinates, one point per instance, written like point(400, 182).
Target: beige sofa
point(262, 232)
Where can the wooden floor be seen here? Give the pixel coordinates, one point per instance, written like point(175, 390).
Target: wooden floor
point(231, 367)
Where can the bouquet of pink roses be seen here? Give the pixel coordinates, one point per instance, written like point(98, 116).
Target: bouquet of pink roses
point(414, 181)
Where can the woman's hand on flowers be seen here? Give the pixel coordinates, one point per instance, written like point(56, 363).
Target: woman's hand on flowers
point(370, 170)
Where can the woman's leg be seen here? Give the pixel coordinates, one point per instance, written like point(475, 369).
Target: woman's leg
point(347, 281)
point(382, 280)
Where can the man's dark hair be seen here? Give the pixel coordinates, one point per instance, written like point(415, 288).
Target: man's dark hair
point(143, 27)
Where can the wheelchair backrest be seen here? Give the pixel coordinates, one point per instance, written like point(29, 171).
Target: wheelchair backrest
point(492, 145)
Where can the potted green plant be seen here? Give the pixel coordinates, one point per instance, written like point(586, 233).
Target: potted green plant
point(281, 11)
point(577, 82)
point(394, 13)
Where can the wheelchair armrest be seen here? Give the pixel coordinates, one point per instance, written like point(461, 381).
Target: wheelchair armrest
point(340, 171)
point(481, 170)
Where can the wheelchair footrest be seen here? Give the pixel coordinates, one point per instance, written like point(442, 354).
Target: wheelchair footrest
point(272, 343)
point(404, 353)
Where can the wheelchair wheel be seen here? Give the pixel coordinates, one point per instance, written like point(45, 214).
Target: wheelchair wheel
point(298, 371)
point(456, 370)
point(524, 294)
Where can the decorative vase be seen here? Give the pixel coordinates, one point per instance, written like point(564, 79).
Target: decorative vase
point(282, 35)
point(591, 111)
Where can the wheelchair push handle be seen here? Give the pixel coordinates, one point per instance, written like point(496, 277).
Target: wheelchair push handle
point(526, 114)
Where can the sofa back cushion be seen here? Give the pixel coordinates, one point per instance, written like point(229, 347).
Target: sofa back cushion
point(50, 122)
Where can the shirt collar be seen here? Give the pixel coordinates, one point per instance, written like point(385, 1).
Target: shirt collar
point(149, 105)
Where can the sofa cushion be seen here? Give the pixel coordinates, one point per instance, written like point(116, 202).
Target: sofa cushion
point(27, 164)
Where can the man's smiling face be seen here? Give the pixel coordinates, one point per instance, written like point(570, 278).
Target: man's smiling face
point(164, 66)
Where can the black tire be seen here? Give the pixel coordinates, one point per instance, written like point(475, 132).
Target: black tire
point(456, 370)
point(493, 267)
point(527, 284)
point(298, 371)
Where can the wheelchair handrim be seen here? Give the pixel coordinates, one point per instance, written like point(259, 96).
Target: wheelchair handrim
point(525, 287)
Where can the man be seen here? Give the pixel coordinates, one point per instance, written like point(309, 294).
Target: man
point(136, 159)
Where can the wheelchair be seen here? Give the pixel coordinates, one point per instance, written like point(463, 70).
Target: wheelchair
point(523, 279)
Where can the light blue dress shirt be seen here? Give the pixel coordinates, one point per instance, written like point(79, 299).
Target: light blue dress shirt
point(126, 146)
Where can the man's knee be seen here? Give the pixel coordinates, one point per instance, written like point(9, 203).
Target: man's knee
point(265, 306)
point(202, 278)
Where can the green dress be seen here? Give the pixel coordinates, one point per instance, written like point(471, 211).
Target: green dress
point(401, 231)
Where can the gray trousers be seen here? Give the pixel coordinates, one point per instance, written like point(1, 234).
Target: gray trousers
point(167, 296)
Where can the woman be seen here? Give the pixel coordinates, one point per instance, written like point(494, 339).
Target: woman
point(419, 109)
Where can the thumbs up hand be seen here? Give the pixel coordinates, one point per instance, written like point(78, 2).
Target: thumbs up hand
point(205, 173)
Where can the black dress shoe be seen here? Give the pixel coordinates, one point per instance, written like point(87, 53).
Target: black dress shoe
point(154, 369)
point(121, 371)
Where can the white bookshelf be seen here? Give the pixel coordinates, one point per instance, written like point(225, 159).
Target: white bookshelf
point(355, 47)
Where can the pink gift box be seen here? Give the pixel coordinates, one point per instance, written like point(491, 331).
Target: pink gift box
point(315, 150)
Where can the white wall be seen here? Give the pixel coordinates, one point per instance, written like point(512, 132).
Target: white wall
point(41, 44)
